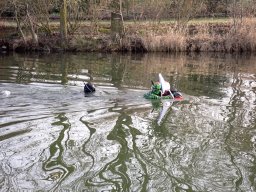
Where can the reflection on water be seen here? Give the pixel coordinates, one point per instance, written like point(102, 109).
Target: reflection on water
point(52, 138)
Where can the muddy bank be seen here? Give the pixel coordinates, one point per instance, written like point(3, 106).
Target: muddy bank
point(79, 43)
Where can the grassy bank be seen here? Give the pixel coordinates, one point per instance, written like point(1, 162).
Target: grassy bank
point(197, 36)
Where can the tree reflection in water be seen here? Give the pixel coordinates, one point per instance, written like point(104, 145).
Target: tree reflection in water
point(54, 138)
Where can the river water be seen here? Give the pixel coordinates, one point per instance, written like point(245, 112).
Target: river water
point(55, 138)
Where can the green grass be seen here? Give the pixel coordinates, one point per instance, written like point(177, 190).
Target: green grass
point(12, 23)
point(193, 21)
point(209, 20)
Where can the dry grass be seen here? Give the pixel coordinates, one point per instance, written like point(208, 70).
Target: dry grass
point(169, 42)
point(204, 38)
point(243, 37)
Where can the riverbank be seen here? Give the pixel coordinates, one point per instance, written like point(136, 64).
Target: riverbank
point(142, 37)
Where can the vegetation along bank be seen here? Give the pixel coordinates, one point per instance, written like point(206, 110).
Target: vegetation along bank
point(121, 25)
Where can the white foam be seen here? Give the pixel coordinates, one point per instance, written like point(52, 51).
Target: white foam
point(6, 93)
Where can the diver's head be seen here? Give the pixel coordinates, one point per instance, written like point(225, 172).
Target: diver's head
point(89, 88)
point(156, 88)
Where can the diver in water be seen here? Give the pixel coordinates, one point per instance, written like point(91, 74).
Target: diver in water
point(172, 92)
point(156, 89)
point(89, 88)
point(162, 90)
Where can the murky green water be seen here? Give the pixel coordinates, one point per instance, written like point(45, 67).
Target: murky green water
point(53, 138)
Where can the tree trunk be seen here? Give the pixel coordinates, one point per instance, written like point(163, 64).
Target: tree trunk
point(63, 23)
point(121, 13)
point(18, 22)
point(117, 24)
point(117, 27)
point(31, 28)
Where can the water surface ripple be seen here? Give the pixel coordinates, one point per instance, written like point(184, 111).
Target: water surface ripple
point(55, 138)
